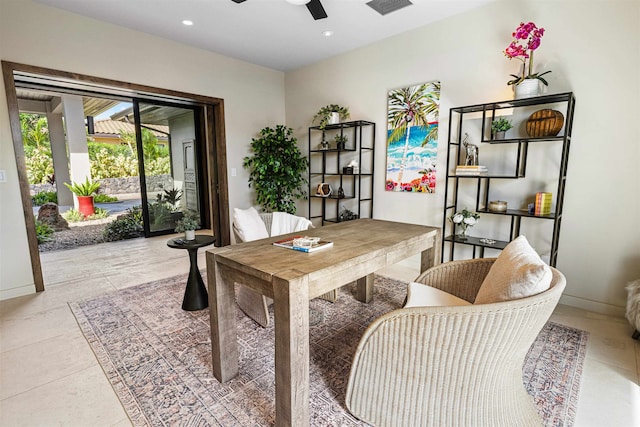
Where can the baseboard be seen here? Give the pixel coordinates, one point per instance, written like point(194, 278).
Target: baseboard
point(595, 306)
point(17, 292)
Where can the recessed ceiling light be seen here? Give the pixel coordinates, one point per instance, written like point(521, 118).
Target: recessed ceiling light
point(187, 22)
point(327, 33)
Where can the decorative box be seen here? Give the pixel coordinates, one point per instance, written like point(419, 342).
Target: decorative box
point(543, 204)
point(347, 170)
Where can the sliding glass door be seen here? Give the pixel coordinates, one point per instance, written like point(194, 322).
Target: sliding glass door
point(168, 138)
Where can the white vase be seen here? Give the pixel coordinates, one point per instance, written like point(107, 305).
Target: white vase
point(334, 118)
point(527, 88)
point(189, 234)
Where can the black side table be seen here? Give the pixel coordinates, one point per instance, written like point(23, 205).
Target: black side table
point(195, 294)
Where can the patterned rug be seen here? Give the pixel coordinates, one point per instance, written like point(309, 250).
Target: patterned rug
point(158, 358)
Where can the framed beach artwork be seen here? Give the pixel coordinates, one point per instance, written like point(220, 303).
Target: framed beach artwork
point(412, 138)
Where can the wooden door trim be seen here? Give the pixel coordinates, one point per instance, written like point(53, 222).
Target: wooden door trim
point(214, 139)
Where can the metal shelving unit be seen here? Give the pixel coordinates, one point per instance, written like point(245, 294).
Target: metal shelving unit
point(487, 112)
point(326, 165)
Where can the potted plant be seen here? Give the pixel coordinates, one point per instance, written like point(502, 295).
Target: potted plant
point(188, 224)
point(464, 219)
point(277, 170)
point(499, 127)
point(341, 142)
point(528, 83)
point(330, 114)
point(84, 192)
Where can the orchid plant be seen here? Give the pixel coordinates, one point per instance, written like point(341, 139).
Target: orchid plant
point(526, 40)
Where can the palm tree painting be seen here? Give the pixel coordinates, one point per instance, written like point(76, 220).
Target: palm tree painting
point(412, 138)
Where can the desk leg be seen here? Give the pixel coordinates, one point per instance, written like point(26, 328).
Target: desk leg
point(291, 304)
point(224, 336)
point(431, 257)
point(364, 288)
point(195, 294)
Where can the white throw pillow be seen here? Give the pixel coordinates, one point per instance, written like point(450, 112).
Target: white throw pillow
point(518, 272)
point(249, 224)
point(421, 295)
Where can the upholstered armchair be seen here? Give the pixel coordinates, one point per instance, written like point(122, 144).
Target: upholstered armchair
point(451, 365)
point(253, 304)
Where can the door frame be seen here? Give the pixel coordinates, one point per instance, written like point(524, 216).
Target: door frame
point(214, 162)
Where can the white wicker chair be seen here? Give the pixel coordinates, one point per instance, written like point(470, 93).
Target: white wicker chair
point(253, 304)
point(450, 366)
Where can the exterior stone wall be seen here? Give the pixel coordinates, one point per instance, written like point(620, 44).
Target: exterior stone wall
point(111, 186)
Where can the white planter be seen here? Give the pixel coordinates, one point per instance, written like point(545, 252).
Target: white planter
point(527, 89)
point(334, 119)
point(190, 234)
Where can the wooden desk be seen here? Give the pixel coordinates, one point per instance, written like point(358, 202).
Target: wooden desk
point(292, 278)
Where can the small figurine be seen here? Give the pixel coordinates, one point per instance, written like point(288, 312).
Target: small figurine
point(472, 152)
point(340, 193)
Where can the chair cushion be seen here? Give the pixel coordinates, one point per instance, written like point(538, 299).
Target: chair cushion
point(421, 295)
point(518, 272)
point(283, 223)
point(249, 224)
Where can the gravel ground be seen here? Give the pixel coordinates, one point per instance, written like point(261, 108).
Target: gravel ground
point(80, 234)
point(88, 232)
point(76, 236)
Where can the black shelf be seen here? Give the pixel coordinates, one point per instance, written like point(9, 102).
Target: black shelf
point(482, 190)
point(517, 212)
point(332, 150)
point(523, 140)
point(475, 241)
point(514, 103)
point(344, 125)
point(358, 187)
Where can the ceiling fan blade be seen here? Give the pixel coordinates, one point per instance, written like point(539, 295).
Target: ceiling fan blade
point(316, 9)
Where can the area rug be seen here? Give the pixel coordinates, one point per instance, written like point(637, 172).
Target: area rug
point(158, 358)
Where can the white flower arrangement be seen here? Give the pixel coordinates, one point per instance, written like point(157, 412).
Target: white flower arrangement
point(465, 219)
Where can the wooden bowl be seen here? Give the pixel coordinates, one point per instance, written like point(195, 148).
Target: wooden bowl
point(544, 123)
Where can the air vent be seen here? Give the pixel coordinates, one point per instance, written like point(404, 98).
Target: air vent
point(384, 7)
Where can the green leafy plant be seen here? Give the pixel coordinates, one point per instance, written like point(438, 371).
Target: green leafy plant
point(44, 232)
point(190, 221)
point(501, 125)
point(341, 141)
point(159, 214)
point(126, 226)
point(43, 197)
point(73, 215)
point(104, 198)
point(99, 213)
point(323, 115)
point(172, 197)
point(86, 188)
point(277, 170)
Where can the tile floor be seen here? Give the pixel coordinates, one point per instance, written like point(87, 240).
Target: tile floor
point(50, 377)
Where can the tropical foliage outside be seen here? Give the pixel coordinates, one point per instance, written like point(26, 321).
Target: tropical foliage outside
point(107, 160)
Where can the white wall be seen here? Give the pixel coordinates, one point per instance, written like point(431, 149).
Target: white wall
point(591, 47)
point(35, 34)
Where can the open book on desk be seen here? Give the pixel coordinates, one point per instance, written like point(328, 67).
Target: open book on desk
point(294, 244)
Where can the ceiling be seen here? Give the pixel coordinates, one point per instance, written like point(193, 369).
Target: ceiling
point(272, 33)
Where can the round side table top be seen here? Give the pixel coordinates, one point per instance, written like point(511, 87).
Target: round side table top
point(200, 241)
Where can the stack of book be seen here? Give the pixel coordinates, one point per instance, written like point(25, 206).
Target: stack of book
point(543, 204)
point(471, 170)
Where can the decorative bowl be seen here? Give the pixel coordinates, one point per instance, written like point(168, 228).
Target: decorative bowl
point(497, 206)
